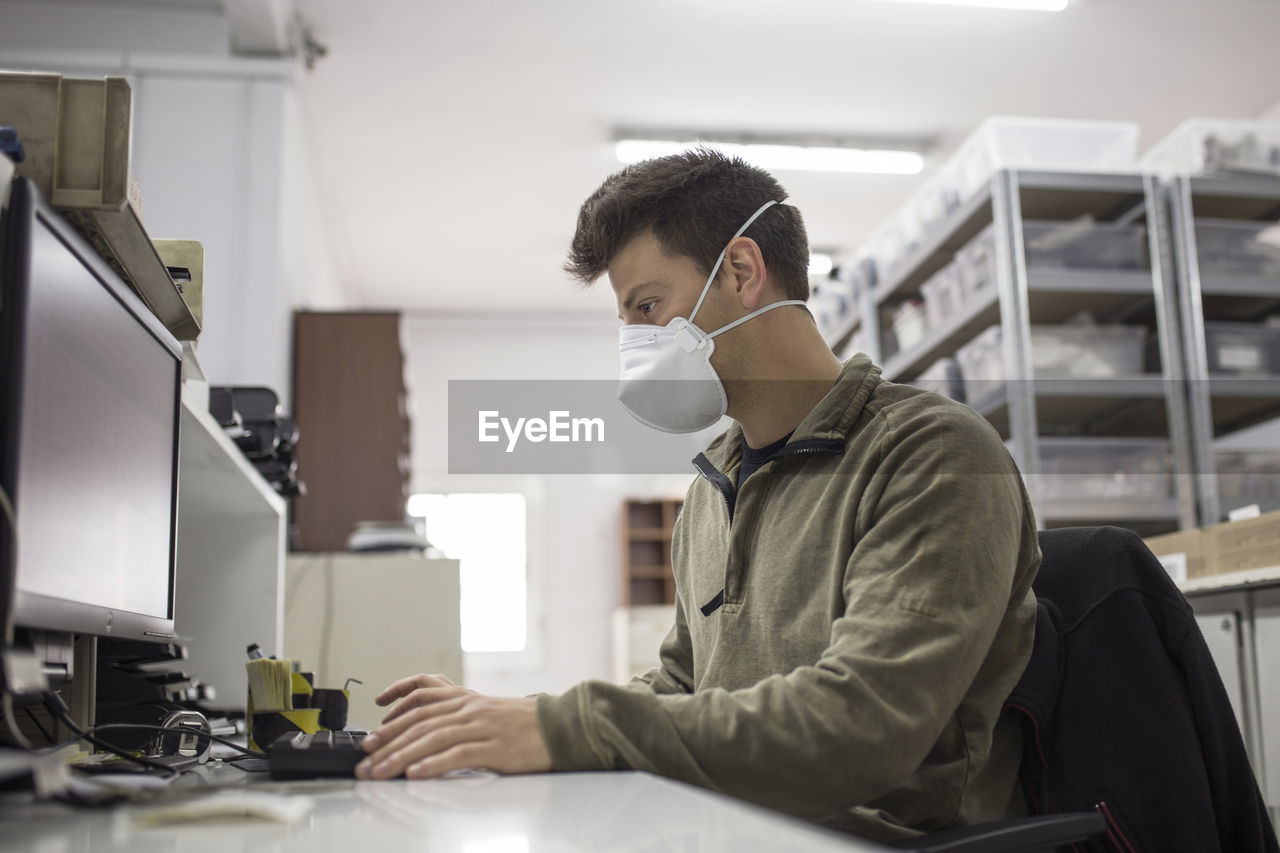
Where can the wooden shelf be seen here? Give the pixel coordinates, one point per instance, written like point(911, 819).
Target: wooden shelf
point(647, 528)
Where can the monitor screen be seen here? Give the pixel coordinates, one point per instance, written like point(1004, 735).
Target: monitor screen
point(92, 406)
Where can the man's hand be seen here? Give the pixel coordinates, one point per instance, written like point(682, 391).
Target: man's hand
point(436, 727)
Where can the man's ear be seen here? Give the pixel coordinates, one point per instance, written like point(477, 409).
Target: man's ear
point(744, 263)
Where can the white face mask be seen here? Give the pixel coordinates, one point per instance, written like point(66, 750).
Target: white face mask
point(654, 356)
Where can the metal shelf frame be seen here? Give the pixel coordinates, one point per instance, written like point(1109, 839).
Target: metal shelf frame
point(1218, 405)
point(1022, 295)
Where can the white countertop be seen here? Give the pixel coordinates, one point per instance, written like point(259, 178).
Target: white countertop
point(1231, 581)
point(557, 813)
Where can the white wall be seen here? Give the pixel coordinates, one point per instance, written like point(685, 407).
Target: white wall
point(574, 524)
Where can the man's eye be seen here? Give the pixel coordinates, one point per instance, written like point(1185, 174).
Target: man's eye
point(646, 308)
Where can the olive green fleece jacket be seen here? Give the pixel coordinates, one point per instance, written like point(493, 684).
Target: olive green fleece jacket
point(846, 636)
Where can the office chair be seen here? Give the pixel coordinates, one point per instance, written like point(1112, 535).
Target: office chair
point(1129, 743)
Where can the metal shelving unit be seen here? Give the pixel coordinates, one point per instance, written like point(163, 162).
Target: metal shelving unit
point(1029, 408)
point(1219, 403)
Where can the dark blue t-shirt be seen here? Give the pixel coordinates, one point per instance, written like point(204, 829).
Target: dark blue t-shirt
point(753, 458)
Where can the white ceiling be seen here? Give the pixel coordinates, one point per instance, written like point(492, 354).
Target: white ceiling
point(454, 141)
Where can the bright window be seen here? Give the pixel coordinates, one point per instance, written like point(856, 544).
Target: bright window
point(486, 534)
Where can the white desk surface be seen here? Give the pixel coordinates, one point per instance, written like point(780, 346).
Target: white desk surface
point(555, 812)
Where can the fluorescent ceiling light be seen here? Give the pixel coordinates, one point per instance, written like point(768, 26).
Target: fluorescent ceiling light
point(1026, 5)
point(820, 264)
point(784, 157)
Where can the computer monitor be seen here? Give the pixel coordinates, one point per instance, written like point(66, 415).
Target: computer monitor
point(90, 396)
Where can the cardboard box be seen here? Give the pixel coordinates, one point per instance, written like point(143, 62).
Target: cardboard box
point(1184, 554)
point(1238, 546)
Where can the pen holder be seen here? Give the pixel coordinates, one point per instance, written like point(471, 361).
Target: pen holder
point(333, 705)
point(265, 726)
point(300, 686)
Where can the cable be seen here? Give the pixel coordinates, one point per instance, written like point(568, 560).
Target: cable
point(59, 709)
point(14, 730)
point(179, 730)
point(36, 721)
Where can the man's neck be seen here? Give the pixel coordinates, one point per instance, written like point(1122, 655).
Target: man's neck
point(785, 385)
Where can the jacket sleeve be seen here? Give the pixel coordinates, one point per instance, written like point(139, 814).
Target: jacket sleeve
point(941, 529)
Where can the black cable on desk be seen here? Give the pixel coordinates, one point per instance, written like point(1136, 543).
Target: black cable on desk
point(59, 709)
point(179, 730)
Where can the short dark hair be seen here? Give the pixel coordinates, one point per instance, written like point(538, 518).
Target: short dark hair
point(693, 201)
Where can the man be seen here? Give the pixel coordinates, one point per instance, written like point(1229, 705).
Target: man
point(853, 564)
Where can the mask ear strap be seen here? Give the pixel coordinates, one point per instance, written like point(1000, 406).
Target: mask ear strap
point(716, 267)
point(757, 313)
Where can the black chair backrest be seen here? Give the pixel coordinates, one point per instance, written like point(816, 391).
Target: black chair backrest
point(1126, 711)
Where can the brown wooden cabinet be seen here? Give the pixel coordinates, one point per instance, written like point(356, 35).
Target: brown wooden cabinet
point(647, 526)
point(350, 404)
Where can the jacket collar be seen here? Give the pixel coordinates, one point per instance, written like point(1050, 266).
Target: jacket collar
point(828, 422)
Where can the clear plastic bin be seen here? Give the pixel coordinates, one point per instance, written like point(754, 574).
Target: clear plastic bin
point(1069, 350)
point(1238, 248)
point(1085, 244)
point(943, 295)
point(943, 377)
point(907, 327)
point(1247, 476)
point(1056, 145)
point(1243, 349)
point(1204, 146)
point(1088, 351)
point(981, 363)
point(1001, 142)
point(1108, 468)
point(976, 264)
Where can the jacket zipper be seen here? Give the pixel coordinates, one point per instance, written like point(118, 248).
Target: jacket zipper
point(813, 445)
point(722, 482)
point(713, 475)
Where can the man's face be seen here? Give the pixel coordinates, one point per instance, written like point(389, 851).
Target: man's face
point(653, 287)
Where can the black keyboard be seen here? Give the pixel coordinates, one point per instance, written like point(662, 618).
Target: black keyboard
point(307, 756)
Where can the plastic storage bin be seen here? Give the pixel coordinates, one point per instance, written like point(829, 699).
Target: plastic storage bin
point(943, 377)
point(1057, 145)
point(1238, 248)
point(1247, 476)
point(1079, 350)
point(981, 363)
point(1243, 349)
point(1084, 244)
point(1001, 142)
point(1088, 351)
point(1202, 146)
point(976, 264)
point(943, 295)
point(1106, 468)
point(907, 327)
